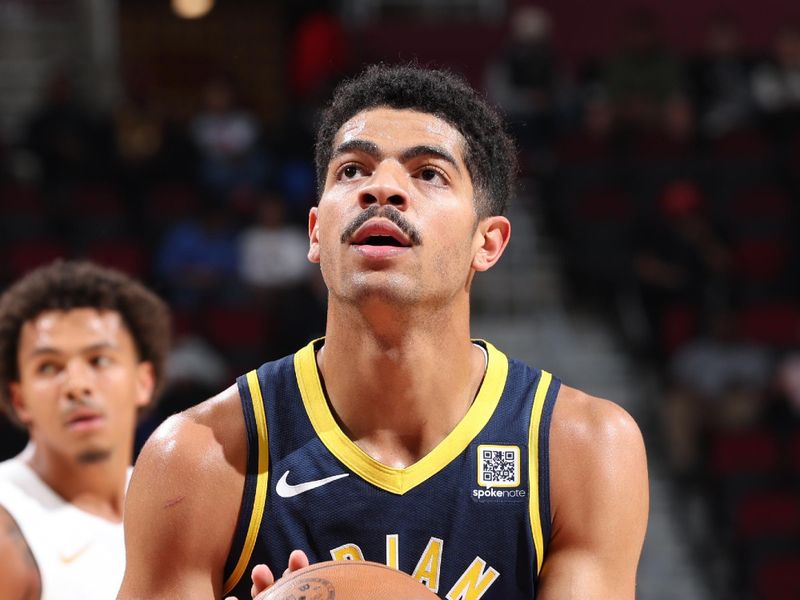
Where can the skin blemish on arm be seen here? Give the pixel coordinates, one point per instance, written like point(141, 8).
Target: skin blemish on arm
point(173, 502)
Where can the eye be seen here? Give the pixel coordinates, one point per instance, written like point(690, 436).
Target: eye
point(100, 361)
point(47, 368)
point(433, 175)
point(350, 171)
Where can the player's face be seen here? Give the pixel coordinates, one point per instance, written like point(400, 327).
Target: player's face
point(81, 383)
point(396, 219)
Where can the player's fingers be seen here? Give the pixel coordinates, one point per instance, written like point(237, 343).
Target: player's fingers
point(297, 560)
point(262, 578)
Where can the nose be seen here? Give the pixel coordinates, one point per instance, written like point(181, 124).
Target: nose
point(78, 382)
point(385, 186)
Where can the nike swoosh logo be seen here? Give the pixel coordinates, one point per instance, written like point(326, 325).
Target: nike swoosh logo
point(286, 490)
point(68, 558)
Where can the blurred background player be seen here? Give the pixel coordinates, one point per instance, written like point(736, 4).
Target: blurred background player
point(83, 351)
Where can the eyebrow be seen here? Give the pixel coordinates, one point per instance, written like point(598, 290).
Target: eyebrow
point(364, 146)
point(43, 350)
point(372, 149)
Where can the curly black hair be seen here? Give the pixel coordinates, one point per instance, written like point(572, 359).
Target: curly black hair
point(490, 154)
point(65, 285)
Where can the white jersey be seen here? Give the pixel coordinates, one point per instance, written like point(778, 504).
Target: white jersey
point(80, 556)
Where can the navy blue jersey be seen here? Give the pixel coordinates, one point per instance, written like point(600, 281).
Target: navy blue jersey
point(469, 520)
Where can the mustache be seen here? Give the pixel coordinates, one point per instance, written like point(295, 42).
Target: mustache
point(387, 212)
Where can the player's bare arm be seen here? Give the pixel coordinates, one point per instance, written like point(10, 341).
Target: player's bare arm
point(180, 512)
point(18, 570)
point(599, 498)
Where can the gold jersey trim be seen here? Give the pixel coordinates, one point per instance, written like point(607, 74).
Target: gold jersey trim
point(259, 501)
point(398, 481)
point(533, 466)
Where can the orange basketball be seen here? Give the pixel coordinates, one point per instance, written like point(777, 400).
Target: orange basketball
point(348, 580)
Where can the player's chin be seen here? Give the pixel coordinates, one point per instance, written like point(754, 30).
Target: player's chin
point(384, 287)
point(93, 455)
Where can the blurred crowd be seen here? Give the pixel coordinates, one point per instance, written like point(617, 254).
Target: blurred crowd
point(671, 183)
point(211, 213)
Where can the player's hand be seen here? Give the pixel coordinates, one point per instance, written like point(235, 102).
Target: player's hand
point(263, 578)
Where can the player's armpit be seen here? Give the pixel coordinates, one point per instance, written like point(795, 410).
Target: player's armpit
point(599, 498)
point(183, 502)
point(19, 573)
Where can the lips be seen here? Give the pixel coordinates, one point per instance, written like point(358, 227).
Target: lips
point(380, 232)
point(84, 419)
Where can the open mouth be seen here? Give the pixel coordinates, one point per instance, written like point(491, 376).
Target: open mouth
point(380, 240)
point(380, 233)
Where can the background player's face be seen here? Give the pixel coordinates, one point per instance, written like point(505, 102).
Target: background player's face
point(81, 383)
point(409, 165)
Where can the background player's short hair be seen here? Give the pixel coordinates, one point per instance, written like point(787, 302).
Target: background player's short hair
point(66, 285)
point(490, 154)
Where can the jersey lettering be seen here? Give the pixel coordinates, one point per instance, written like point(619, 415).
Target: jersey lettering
point(347, 552)
point(392, 551)
point(471, 585)
point(474, 582)
point(429, 565)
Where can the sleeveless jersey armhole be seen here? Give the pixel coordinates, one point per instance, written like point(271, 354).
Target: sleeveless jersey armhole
point(256, 479)
point(539, 463)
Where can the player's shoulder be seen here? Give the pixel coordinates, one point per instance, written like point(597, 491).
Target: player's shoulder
point(583, 424)
point(598, 470)
point(196, 440)
point(18, 569)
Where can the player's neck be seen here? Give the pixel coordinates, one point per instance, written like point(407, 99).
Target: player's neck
point(399, 391)
point(97, 488)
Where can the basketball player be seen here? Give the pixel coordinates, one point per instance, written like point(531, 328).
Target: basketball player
point(397, 438)
point(81, 352)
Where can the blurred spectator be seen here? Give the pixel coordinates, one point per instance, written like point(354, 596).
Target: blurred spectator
point(4, 168)
point(525, 80)
point(681, 260)
point(679, 122)
point(318, 55)
point(715, 382)
point(139, 136)
point(644, 75)
point(197, 260)
point(227, 138)
point(273, 263)
point(139, 133)
point(675, 138)
point(296, 177)
point(272, 253)
point(595, 138)
point(194, 360)
point(783, 410)
point(70, 142)
point(720, 80)
point(776, 83)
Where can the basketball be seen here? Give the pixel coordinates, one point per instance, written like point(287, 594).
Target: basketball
point(347, 580)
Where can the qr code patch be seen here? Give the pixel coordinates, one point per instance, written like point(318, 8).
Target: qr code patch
point(498, 466)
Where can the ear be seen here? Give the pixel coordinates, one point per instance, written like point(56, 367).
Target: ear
point(18, 403)
point(145, 383)
point(491, 238)
point(313, 234)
